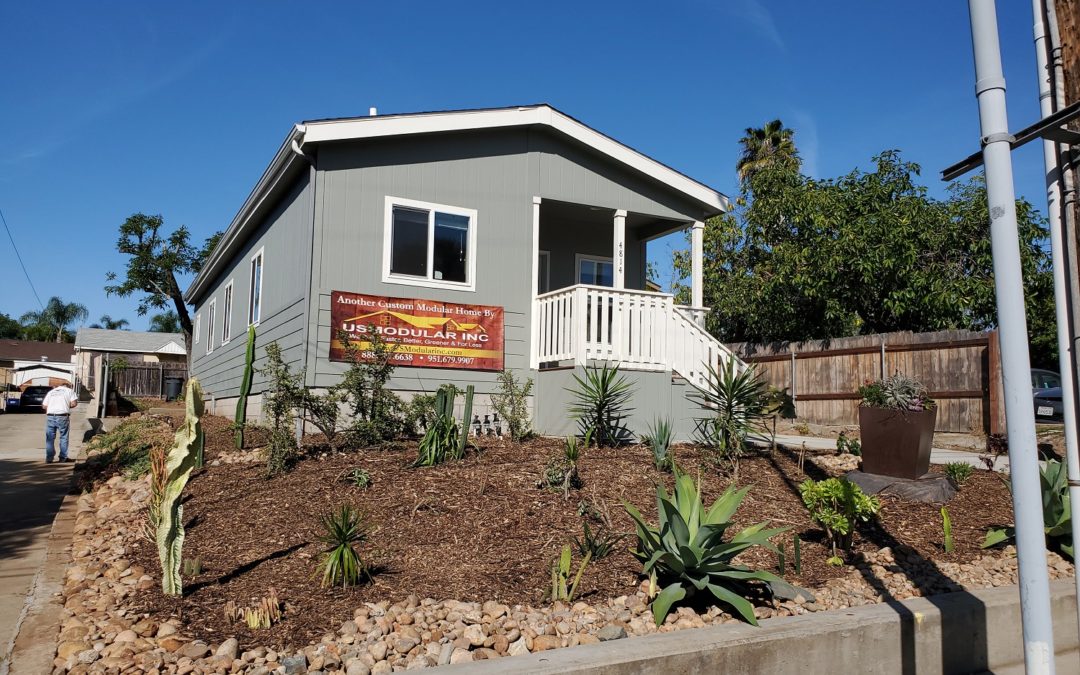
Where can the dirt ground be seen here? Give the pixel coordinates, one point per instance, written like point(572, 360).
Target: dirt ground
point(481, 529)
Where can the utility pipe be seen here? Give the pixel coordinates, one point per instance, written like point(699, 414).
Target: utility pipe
point(1059, 263)
point(1012, 327)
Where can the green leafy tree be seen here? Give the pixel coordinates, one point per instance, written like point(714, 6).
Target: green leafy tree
point(868, 252)
point(155, 259)
point(10, 328)
point(56, 316)
point(109, 323)
point(165, 322)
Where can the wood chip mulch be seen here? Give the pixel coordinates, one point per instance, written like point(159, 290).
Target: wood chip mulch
point(480, 529)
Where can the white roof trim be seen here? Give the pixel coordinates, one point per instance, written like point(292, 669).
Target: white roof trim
point(400, 125)
point(171, 348)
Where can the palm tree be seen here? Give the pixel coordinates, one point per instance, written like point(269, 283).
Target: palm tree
point(57, 315)
point(771, 145)
point(166, 322)
point(108, 323)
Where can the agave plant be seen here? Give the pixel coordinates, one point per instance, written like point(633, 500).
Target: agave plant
point(658, 439)
point(686, 553)
point(1057, 516)
point(601, 404)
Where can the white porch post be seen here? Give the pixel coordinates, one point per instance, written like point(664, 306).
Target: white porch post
point(534, 348)
point(697, 279)
point(618, 251)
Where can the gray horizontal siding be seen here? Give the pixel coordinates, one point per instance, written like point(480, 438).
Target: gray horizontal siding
point(285, 237)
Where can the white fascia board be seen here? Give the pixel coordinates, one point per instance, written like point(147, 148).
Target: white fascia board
point(378, 127)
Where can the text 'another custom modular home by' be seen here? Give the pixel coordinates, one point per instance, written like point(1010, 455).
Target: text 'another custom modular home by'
point(478, 240)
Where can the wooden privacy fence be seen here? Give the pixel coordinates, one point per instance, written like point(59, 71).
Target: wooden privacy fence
point(146, 380)
point(960, 368)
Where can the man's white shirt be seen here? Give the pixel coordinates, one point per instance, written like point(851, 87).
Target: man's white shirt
point(58, 401)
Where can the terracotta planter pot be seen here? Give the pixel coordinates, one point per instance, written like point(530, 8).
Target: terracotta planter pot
point(896, 443)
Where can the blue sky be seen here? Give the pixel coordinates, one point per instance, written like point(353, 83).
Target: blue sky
point(176, 108)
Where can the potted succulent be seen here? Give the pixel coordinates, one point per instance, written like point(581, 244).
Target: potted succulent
point(896, 425)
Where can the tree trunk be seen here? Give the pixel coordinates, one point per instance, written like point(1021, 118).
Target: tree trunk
point(182, 315)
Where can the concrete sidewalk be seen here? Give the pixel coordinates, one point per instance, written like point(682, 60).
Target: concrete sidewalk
point(31, 494)
point(937, 455)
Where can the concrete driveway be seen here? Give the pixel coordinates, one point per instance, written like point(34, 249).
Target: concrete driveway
point(31, 492)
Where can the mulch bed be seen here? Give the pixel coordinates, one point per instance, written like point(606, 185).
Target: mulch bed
point(480, 529)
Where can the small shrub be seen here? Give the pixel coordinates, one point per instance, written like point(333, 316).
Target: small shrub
point(687, 552)
point(601, 403)
point(323, 411)
point(802, 429)
point(419, 414)
point(838, 505)
point(598, 544)
point(284, 391)
point(959, 472)
point(342, 533)
point(263, 615)
point(357, 477)
point(512, 403)
point(658, 440)
point(377, 413)
point(561, 473)
point(897, 392)
point(848, 446)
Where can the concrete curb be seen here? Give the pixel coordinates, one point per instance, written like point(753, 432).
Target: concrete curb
point(954, 633)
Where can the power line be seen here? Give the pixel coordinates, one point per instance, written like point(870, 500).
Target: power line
point(21, 263)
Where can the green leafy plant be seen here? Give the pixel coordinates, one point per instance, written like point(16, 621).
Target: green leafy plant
point(179, 463)
point(1057, 516)
point(511, 402)
point(946, 527)
point(419, 414)
point(601, 403)
point(848, 446)
point(377, 413)
point(323, 410)
point(659, 439)
point(737, 398)
point(838, 505)
point(357, 477)
point(959, 472)
point(802, 428)
point(598, 544)
point(445, 439)
point(561, 473)
point(240, 419)
point(897, 392)
point(341, 564)
point(686, 553)
point(283, 393)
point(778, 403)
point(560, 574)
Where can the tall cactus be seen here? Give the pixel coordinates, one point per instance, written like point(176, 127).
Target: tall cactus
point(181, 459)
point(245, 389)
point(464, 442)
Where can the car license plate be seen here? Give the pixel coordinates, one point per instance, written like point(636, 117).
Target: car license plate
point(1045, 411)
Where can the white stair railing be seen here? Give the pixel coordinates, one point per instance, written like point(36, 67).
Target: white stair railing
point(640, 330)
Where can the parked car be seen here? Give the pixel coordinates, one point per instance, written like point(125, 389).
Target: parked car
point(33, 397)
point(1044, 379)
point(1048, 405)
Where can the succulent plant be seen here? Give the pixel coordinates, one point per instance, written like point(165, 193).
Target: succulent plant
point(897, 392)
point(181, 459)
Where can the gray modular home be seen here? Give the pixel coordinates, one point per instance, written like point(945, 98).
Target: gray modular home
point(478, 240)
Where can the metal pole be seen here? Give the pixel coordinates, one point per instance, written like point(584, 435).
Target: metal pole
point(1061, 290)
point(1012, 327)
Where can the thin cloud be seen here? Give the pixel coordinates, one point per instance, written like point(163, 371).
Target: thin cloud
point(806, 139)
point(754, 12)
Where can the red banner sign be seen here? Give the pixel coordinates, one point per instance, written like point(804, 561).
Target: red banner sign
point(423, 333)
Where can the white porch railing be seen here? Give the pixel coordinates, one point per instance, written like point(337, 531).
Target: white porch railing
point(639, 330)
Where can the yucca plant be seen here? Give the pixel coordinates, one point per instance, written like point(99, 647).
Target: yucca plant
point(738, 399)
point(686, 553)
point(341, 564)
point(598, 544)
point(445, 438)
point(658, 440)
point(1057, 516)
point(601, 403)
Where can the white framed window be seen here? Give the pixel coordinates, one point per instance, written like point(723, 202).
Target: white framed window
point(211, 313)
point(226, 314)
point(430, 245)
point(543, 272)
point(256, 287)
point(595, 270)
point(198, 327)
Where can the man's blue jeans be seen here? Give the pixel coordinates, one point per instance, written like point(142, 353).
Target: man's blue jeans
point(54, 424)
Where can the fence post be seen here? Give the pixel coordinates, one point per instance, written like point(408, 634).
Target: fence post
point(794, 393)
point(997, 401)
point(161, 380)
point(883, 359)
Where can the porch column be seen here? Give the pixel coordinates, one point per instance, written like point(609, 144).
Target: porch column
point(618, 251)
point(534, 347)
point(697, 241)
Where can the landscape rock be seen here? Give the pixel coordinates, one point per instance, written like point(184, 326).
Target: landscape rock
point(611, 632)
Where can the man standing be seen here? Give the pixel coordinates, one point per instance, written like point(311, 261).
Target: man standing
point(58, 404)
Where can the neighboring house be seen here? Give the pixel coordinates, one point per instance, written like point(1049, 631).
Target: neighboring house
point(95, 347)
point(482, 239)
point(27, 362)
